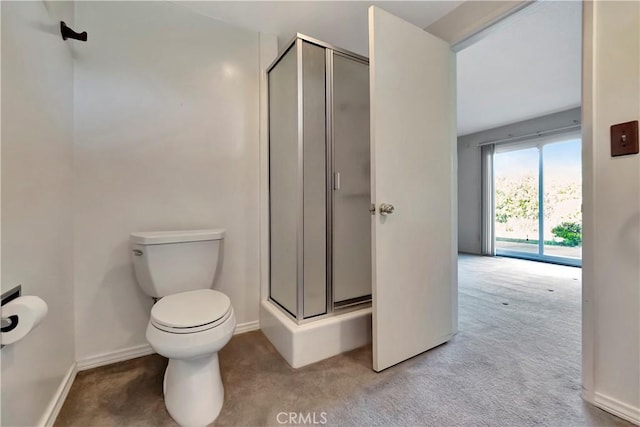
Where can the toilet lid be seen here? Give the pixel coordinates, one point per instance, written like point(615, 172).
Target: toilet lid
point(190, 309)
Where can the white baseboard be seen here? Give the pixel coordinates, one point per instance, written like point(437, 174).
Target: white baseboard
point(53, 409)
point(241, 328)
point(142, 350)
point(114, 357)
point(617, 408)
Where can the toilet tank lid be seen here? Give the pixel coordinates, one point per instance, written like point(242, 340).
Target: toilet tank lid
point(181, 236)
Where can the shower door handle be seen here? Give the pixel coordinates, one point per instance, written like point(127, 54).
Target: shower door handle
point(386, 208)
point(336, 181)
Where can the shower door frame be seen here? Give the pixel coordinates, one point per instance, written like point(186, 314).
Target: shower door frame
point(330, 50)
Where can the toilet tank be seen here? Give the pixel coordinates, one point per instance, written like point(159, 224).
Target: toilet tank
point(169, 262)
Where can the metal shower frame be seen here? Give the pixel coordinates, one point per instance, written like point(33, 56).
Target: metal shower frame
point(330, 50)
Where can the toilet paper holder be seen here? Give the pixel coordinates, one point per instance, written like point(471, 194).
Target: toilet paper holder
point(9, 323)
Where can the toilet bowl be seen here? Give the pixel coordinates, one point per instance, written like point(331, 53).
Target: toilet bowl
point(189, 329)
point(190, 322)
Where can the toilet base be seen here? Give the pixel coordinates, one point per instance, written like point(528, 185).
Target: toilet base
point(193, 391)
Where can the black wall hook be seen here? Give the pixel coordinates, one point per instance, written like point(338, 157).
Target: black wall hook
point(68, 33)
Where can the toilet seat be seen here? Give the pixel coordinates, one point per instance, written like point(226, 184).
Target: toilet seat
point(191, 312)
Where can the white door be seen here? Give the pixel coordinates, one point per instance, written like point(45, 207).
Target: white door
point(413, 143)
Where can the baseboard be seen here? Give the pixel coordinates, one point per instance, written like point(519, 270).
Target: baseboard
point(587, 395)
point(142, 350)
point(55, 405)
point(114, 357)
point(617, 408)
point(241, 328)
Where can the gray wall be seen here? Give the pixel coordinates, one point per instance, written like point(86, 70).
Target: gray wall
point(469, 175)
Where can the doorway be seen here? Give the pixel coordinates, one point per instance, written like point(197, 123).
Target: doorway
point(520, 180)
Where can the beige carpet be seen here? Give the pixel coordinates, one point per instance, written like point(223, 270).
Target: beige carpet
point(515, 362)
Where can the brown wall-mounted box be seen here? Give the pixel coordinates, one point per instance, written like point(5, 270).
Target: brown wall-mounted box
point(624, 138)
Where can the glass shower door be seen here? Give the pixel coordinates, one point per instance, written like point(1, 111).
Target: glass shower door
point(351, 182)
point(319, 180)
point(283, 182)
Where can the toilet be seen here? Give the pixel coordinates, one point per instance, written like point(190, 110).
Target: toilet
point(190, 322)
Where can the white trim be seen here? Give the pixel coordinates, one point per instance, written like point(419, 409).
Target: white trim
point(494, 24)
point(114, 357)
point(617, 408)
point(241, 328)
point(589, 348)
point(121, 355)
point(53, 409)
point(55, 405)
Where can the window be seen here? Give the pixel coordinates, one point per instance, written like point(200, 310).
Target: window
point(538, 200)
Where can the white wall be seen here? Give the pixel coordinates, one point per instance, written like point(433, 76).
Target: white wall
point(611, 257)
point(37, 154)
point(167, 137)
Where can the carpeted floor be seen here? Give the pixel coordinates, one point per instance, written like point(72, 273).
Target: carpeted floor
point(515, 362)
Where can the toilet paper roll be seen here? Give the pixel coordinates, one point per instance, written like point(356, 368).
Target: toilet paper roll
point(30, 311)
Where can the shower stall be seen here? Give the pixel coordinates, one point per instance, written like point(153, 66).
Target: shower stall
point(319, 197)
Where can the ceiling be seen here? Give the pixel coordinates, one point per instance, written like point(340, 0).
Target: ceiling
point(527, 66)
point(341, 23)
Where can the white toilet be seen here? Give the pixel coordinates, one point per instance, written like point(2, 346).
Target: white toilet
point(191, 322)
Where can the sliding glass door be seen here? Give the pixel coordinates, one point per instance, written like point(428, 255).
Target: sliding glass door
point(516, 173)
point(538, 200)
